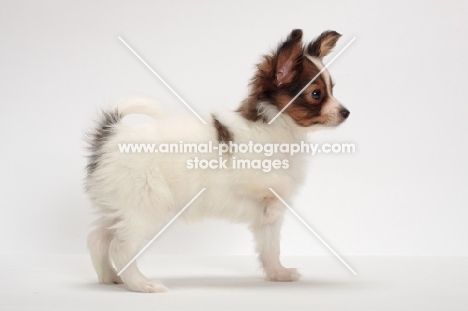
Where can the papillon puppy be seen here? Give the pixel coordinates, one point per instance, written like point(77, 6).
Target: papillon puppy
point(137, 194)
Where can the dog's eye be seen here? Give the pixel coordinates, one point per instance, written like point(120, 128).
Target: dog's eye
point(316, 94)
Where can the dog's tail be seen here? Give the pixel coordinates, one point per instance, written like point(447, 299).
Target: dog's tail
point(109, 119)
point(138, 105)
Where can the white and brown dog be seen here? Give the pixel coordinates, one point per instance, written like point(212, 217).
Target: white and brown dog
point(137, 194)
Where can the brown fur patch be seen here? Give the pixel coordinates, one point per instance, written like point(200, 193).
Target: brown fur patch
point(248, 109)
point(224, 135)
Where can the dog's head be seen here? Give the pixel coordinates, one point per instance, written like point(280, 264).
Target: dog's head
point(285, 72)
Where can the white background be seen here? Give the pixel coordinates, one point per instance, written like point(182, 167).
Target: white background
point(404, 80)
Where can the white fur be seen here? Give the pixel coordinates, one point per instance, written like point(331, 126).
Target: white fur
point(137, 194)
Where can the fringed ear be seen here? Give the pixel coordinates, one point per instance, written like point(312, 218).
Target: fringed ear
point(323, 45)
point(275, 71)
point(288, 58)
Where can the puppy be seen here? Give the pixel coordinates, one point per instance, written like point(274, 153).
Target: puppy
point(136, 194)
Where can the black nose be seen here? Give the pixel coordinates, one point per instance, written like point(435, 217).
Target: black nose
point(345, 112)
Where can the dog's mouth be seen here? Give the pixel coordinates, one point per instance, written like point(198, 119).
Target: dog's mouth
point(330, 120)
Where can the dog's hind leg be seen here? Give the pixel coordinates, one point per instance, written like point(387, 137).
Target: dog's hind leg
point(98, 244)
point(122, 251)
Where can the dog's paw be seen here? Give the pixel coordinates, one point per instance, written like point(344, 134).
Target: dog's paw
point(283, 275)
point(147, 287)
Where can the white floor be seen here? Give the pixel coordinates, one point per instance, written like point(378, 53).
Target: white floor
point(235, 283)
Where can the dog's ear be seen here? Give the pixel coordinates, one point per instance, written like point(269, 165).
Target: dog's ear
point(288, 58)
point(276, 70)
point(323, 44)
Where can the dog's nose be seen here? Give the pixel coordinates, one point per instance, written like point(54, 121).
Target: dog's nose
point(344, 112)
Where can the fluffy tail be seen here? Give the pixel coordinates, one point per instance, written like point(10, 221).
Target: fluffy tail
point(109, 118)
point(138, 105)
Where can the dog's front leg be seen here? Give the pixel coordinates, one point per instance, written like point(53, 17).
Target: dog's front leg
point(267, 240)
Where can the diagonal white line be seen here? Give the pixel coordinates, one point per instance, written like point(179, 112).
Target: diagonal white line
point(313, 79)
point(313, 231)
point(159, 233)
point(162, 80)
